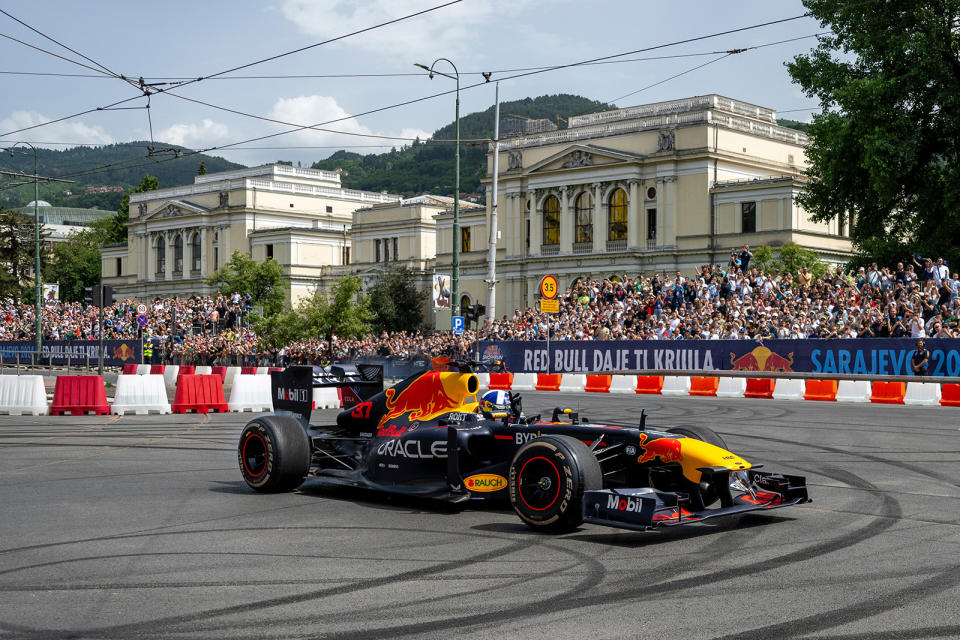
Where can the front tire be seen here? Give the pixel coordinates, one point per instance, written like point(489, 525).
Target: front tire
point(274, 454)
point(548, 476)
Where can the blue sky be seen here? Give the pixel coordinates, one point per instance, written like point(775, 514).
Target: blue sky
point(180, 40)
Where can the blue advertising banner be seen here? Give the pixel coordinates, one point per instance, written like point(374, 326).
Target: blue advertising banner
point(875, 356)
point(115, 352)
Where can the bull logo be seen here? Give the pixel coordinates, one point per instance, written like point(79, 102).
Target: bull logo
point(667, 449)
point(123, 352)
point(762, 359)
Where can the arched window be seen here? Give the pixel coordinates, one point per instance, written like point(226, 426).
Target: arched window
point(161, 255)
point(178, 254)
point(551, 220)
point(617, 227)
point(195, 252)
point(583, 222)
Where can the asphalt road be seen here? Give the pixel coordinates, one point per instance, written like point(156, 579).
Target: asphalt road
point(142, 527)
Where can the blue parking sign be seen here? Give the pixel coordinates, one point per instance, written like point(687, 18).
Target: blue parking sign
point(457, 325)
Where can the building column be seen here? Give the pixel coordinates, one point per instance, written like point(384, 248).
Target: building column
point(167, 239)
point(599, 223)
point(670, 213)
point(536, 225)
point(519, 232)
point(635, 238)
point(566, 222)
point(204, 254)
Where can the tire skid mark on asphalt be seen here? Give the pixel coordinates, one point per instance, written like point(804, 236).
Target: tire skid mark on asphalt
point(35, 481)
point(943, 631)
point(156, 625)
point(824, 621)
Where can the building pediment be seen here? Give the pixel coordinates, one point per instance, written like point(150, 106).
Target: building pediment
point(169, 209)
point(579, 156)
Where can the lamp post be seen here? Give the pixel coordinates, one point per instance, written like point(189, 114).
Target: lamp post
point(455, 303)
point(36, 240)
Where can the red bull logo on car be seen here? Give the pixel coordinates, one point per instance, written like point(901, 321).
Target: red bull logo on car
point(762, 359)
point(667, 449)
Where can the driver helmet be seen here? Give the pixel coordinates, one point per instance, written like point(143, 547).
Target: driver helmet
point(495, 402)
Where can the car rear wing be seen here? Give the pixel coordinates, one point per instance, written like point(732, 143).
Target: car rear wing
point(292, 388)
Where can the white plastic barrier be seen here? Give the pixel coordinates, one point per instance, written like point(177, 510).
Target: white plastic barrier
point(573, 382)
point(623, 384)
point(143, 369)
point(731, 387)
point(250, 392)
point(676, 385)
point(262, 371)
point(170, 373)
point(230, 376)
point(203, 370)
point(788, 389)
point(140, 395)
point(524, 382)
point(326, 398)
point(484, 379)
point(923, 393)
point(23, 394)
point(854, 391)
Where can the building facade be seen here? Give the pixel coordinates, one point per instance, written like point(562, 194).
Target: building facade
point(654, 188)
point(179, 236)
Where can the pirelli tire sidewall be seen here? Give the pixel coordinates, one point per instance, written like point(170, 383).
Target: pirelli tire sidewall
point(559, 508)
point(273, 454)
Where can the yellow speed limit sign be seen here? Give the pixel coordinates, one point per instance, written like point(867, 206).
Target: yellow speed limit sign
point(549, 306)
point(549, 288)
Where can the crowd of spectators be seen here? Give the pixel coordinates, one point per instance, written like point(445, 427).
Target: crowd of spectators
point(914, 299)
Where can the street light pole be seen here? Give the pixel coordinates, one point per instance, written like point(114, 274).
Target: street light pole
point(455, 303)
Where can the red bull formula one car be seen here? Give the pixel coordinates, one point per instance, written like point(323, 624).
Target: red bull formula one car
point(428, 436)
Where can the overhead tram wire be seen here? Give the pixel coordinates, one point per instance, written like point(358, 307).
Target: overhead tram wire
point(677, 75)
point(443, 93)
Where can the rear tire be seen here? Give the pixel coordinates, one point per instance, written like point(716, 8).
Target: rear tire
point(548, 476)
point(274, 454)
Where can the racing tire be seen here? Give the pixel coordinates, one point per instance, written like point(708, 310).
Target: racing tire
point(706, 434)
point(548, 476)
point(274, 454)
point(710, 494)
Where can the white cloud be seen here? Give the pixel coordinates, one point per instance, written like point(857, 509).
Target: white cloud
point(309, 110)
point(67, 131)
point(206, 134)
point(448, 31)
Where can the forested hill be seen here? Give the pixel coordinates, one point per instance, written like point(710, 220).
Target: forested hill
point(428, 166)
point(128, 164)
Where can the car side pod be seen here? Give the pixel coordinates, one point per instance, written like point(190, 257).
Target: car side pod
point(644, 508)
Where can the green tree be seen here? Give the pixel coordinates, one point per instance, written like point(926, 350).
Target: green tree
point(344, 312)
point(17, 254)
point(202, 169)
point(791, 256)
point(280, 329)
point(396, 302)
point(763, 259)
point(76, 263)
point(262, 280)
point(886, 145)
point(115, 228)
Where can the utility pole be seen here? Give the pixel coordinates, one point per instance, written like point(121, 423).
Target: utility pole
point(492, 254)
point(37, 276)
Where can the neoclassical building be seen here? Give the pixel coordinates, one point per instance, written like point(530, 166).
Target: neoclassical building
point(654, 188)
point(178, 236)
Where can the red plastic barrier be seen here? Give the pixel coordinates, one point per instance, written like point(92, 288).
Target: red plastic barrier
point(156, 369)
point(501, 381)
point(185, 370)
point(888, 392)
point(760, 388)
point(950, 394)
point(247, 371)
point(649, 384)
point(129, 369)
point(78, 395)
point(548, 382)
point(598, 384)
point(272, 369)
point(222, 372)
point(822, 390)
point(704, 386)
point(199, 393)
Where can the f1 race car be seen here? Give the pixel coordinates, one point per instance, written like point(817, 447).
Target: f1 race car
point(429, 436)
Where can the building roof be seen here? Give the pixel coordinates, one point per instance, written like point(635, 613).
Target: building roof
point(68, 216)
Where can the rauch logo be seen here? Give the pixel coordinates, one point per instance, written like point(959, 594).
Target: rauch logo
point(484, 482)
